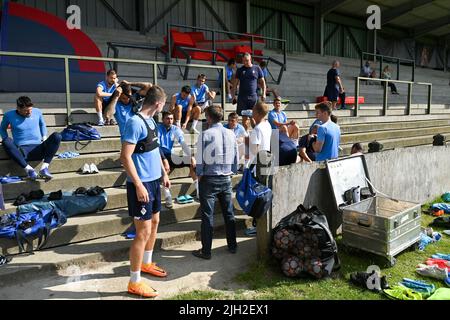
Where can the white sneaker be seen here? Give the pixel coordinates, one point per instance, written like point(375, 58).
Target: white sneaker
point(86, 169)
point(101, 123)
point(169, 203)
point(93, 168)
point(432, 271)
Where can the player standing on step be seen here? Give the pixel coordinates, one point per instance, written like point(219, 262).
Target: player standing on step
point(141, 159)
point(29, 142)
point(247, 79)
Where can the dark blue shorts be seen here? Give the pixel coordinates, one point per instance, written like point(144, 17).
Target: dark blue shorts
point(140, 210)
point(246, 103)
point(332, 93)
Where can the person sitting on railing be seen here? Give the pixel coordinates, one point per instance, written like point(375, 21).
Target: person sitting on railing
point(104, 91)
point(230, 69)
point(278, 119)
point(124, 103)
point(29, 142)
point(203, 96)
point(386, 74)
point(183, 108)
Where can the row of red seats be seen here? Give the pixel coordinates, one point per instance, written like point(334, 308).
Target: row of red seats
point(229, 48)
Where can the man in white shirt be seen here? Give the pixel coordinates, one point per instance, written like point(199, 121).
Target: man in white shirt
point(259, 142)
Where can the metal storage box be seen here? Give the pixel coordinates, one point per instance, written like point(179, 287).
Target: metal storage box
point(377, 224)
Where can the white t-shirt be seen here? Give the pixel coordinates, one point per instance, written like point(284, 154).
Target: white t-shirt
point(260, 139)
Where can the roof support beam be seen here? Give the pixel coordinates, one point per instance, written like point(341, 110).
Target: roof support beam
point(326, 6)
point(427, 27)
point(396, 12)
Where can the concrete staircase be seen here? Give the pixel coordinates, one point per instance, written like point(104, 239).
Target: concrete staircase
point(95, 237)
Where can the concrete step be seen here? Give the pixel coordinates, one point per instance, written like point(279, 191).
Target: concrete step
point(83, 147)
point(370, 127)
point(106, 223)
point(103, 161)
point(105, 179)
point(115, 248)
point(393, 134)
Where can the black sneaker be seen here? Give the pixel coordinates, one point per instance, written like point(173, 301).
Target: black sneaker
point(233, 250)
point(361, 279)
point(199, 254)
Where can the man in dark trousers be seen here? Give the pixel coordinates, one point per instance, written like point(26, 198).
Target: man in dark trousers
point(217, 160)
point(29, 138)
point(247, 78)
point(335, 88)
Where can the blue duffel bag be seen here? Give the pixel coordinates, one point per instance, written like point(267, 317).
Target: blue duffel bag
point(25, 227)
point(253, 197)
point(80, 132)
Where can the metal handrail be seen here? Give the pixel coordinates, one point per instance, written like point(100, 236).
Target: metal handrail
point(385, 93)
point(155, 65)
point(214, 32)
point(115, 45)
point(383, 57)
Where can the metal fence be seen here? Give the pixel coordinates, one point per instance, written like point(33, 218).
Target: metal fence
point(396, 60)
point(155, 64)
point(385, 93)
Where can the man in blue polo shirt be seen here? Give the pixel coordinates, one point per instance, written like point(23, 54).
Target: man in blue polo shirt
point(247, 78)
point(103, 93)
point(168, 135)
point(183, 108)
point(142, 162)
point(29, 142)
point(328, 134)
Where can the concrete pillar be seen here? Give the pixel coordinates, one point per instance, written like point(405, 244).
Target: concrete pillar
point(318, 30)
point(263, 235)
point(248, 25)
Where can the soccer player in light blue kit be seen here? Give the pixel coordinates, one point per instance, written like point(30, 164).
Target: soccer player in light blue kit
point(103, 93)
point(183, 109)
point(29, 138)
point(141, 159)
point(202, 95)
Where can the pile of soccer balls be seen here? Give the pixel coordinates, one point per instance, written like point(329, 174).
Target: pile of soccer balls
point(299, 251)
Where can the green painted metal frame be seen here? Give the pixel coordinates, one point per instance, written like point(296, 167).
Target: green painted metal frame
point(155, 64)
point(385, 93)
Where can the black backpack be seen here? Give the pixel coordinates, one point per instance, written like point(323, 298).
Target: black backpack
point(303, 243)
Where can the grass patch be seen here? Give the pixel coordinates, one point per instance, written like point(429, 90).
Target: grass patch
point(265, 280)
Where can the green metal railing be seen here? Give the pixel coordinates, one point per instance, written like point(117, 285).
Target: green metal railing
point(154, 64)
point(385, 93)
point(396, 60)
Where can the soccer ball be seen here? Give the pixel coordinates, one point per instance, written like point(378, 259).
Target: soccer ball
point(291, 266)
point(284, 239)
point(315, 268)
point(278, 253)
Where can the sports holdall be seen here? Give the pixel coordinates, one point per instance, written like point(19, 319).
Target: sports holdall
point(28, 226)
point(253, 197)
point(80, 132)
point(303, 243)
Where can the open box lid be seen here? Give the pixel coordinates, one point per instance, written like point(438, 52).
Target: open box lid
point(346, 173)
